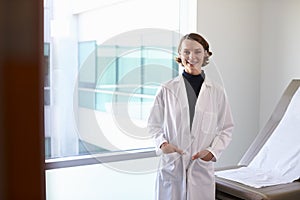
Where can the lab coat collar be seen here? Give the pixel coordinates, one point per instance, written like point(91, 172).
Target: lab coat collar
point(208, 82)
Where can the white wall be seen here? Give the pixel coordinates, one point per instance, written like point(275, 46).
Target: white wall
point(101, 181)
point(255, 45)
point(233, 31)
point(280, 60)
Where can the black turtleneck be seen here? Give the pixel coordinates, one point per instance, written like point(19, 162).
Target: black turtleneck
point(194, 80)
point(193, 85)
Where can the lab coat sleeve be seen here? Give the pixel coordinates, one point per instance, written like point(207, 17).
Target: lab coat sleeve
point(156, 122)
point(224, 128)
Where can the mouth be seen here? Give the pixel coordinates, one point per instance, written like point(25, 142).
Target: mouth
point(191, 63)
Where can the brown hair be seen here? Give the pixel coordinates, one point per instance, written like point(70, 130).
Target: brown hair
point(198, 38)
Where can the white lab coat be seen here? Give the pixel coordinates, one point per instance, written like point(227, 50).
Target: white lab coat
point(178, 177)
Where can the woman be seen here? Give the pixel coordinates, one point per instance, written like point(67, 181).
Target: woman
point(191, 123)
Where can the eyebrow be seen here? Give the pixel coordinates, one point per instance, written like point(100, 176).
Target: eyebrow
point(194, 49)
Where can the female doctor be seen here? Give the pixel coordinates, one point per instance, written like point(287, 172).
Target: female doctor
point(191, 123)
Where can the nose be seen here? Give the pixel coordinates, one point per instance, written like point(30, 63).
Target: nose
point(192, 55)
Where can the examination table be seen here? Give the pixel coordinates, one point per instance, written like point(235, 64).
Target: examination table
point(229, 188)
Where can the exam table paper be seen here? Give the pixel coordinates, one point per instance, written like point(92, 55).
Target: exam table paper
point(278, 162)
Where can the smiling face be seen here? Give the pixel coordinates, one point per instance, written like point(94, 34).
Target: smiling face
point(192, 56)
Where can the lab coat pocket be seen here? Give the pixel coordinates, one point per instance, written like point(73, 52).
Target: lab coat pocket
point(209, 122)
point(202, 172)
point(171, 167)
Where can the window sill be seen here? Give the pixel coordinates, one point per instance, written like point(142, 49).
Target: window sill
point(82, 160)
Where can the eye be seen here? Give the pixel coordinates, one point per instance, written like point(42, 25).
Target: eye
point(186, 52)
point(198, 52)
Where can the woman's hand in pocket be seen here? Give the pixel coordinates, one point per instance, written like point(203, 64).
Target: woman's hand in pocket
point(204, 155)
point(170, 148)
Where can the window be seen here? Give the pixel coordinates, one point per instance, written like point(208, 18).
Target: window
point(105, 61)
